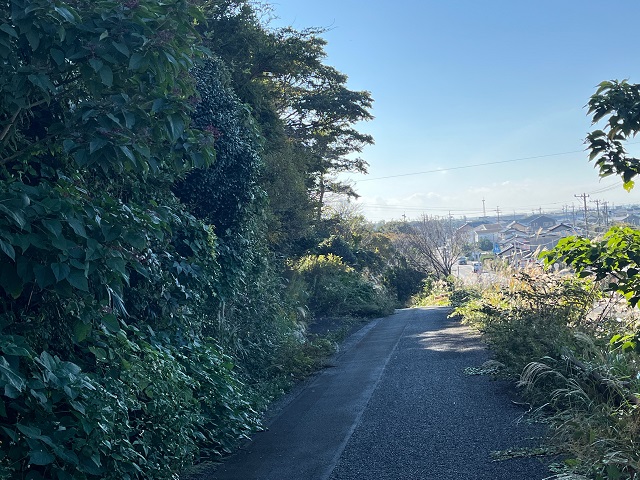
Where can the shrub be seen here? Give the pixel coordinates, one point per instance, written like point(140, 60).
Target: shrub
point(335, 289)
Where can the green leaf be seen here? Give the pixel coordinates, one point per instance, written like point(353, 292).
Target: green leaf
point(66, 14)
point(44, 276)
point(117, 264)
point(81, 331)
point(54, 226)
point(7, 248)
point(135, 239)
point(77, 226)
point(100, 353)
point(9, 29)
point(96, 64)
point(11, 376)
point(128, 153)
point(78, 279)
point(96, 144)
point(106, 75)
point(60, 271)
point(137, 62)
point(628, 186)
point(110, 322)
point(11, 391)
point(57, 55)
point(122, 48)
point(40, 457)
point(29, 432)
point(158, 105)
point(175, 126)
point(16, 216)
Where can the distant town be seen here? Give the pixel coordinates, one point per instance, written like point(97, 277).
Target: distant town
point(517, 238)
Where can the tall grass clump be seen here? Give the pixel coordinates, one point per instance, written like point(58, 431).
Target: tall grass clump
point(575, 356)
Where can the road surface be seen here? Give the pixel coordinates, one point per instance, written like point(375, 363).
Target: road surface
point(396, 404)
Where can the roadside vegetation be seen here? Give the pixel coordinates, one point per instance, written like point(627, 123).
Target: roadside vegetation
point(165, 233)
point(572, 341)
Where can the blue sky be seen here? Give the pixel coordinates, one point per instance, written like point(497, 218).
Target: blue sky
point(468, 82)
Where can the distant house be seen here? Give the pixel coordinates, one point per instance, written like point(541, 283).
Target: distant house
point(539, 221)
point(562, 230)
point(517, 226)
point(490, 231)
point(467, 231)
point(631, 219)
point(544, 241)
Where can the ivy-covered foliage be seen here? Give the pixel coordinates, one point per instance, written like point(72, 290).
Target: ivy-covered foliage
point(103, 371)
point(162, 166)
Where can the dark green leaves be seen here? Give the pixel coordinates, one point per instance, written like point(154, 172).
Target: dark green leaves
point(615, 258)
point(618, 103)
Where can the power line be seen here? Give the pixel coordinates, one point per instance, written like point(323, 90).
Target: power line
point(439, 170)
point(468, 166)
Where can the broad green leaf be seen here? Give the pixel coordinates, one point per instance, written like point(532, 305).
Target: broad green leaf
point(16, 216)
point(78, 226)
point(96, 64)
point(111, 323)
point(81, 331)
point(54, 226)
point(9, 30)
point(57, 55)
point(106, 75)
point(100, 353)
point(96, 144)
point(7, 248)
point(11, 391)
point(60, 270)
point(122, 48)
point(158, 105)
point(44, 276)
point(136, 240)
point(136, 62)
point(11, 376)
point(66, 14)
point(78, 279)
point(29, 432)
point(175, 125)
point(40, 457)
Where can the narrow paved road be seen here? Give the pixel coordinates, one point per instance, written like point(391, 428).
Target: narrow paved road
point(396, 405)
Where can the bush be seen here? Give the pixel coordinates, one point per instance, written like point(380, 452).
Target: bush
point(435, 293)
point(578, 364)
point(335, 289)
point(144, 413)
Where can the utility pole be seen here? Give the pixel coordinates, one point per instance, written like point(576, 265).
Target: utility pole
point(584, 197)
point(404, 217)
point(597, 202)
point(605, 213)
point(484, 211)
point(498, 212)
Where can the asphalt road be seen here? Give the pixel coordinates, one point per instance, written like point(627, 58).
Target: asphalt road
point(395, 405)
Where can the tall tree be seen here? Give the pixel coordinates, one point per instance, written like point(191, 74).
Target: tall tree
point(295, 98)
